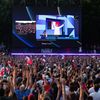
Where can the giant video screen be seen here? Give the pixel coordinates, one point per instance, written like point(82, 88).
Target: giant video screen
point(34, 27)
point(52, 27)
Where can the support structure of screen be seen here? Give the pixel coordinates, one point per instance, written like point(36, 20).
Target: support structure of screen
point(49, 27)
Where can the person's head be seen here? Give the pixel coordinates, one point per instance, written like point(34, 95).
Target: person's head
point(73, 96)
point(96, 87)
point(89, 98)
point(44, 32)
point(31, 97)
point(6, 86)
point(72, 87)
point(96, 84)
point(22, 87)
point(48, 96)
point(25, 98)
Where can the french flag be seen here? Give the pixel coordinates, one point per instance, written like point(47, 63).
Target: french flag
point(3, 70)
point(28, 60)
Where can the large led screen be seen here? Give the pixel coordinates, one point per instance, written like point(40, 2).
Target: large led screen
point(56, 27)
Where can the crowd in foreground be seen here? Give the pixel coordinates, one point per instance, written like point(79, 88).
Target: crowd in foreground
point(49, 77)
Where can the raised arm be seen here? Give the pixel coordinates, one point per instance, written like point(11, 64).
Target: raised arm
point(61, 26)
point(59, 91)
point(63, 90)
point(81, 93)
point(29, 73)
point(14, 77)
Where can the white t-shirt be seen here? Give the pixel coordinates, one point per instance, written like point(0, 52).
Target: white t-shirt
point(95, 95)
point(91, 90)
point(67, 90)
point(40, 82)
point(56, 28)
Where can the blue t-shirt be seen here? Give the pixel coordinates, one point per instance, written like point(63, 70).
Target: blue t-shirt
point(21, 94)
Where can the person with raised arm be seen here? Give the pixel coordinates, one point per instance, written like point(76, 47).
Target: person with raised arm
point(56, 28)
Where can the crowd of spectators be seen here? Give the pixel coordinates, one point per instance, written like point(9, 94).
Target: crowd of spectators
point(49, 77)
point(25, 28)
